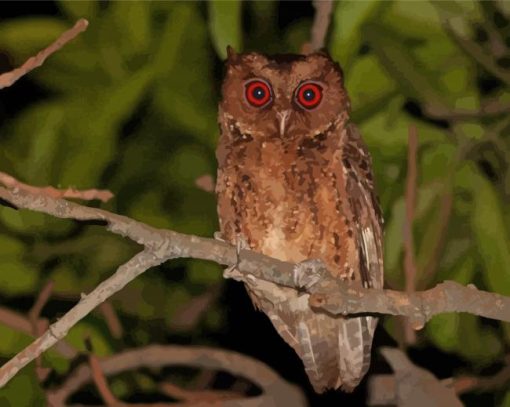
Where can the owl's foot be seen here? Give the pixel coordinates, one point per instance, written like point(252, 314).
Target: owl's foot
point(308, 273)
point(232, 271)
point(219, 236)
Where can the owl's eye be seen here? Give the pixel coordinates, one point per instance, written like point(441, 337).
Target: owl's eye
point(258, 93)
point(309, 95)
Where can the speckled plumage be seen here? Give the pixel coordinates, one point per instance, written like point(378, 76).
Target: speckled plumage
point(307, 193)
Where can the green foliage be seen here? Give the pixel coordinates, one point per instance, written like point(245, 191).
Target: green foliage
point(130, 105)
point(225, 25)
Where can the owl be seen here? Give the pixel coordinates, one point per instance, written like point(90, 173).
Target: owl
point(295, 182)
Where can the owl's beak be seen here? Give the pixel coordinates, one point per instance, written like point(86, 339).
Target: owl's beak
point(283, 118)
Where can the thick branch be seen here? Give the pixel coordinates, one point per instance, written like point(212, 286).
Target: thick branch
point(448, 296)
point(337, 297)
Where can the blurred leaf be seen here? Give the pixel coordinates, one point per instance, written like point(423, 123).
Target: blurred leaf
point(413, 19)
point(225, 25)
point(157, 215)
point(348, 19)
point(203, 273)
point(80, 9)
point(370, 88)
point(10, 247)
point(66, 279)
point(12, 341)
point(22, 390)
point(85, 329)
point(90, 144)
point(506, 400)
point(133, 20)
point(186, 164)
point(456, 7)
point(171, 43)
point(478, 344)
point(17, 277)
point(27, 222)
point(437, 161)
point(26, 36)
point(394, 232)
point(413, 79)
point(144, 298)
point(469, 130)
point(393, 241)
point(186, 107)
point(386, 132)
point(56, 362)
point(490, 233)
point(46, 124)
point(443, 331)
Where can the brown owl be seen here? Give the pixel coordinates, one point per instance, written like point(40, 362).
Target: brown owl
point(295, 183)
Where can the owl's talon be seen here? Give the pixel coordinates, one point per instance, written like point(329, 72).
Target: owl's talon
point(219, 236)
point(233, 270)
point(308, 273)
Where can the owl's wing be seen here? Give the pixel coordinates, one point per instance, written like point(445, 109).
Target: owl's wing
point(365, 208)
point(355, 334)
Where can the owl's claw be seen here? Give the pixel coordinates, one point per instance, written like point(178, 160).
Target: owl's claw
point(232, 271)
point(219, 236)
point(308, 273)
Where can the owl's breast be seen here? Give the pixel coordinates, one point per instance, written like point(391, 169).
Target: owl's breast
point(287, 207)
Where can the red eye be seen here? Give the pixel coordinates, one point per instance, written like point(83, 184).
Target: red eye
point(309, 95)
point(258, 93)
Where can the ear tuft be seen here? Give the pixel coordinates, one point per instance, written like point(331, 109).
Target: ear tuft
point(232, 55)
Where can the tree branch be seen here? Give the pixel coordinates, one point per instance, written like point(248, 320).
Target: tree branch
point(410, 201)
point(7, 79)
point(320, 26)
point(87, 194)
point(327, 293)
point(276, 391)
point(323, 9)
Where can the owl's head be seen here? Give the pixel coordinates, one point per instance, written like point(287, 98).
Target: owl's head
point(284, 96)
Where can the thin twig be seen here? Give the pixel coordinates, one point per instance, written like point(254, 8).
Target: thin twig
point(9, 78)
point(410, 201)
point(194, 396)
point(445, 211)
point(320, 26)
point(323, 9)
point(187, 315)
point(99, 378)
point(205, 183)
point(112, 320)
point(489, 109)
point(86, 195)
point(37, 328)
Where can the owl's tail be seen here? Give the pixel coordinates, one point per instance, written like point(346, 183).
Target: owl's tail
point(335, 351)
